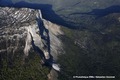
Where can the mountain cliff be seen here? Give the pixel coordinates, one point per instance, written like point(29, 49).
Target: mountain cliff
point(24, 33)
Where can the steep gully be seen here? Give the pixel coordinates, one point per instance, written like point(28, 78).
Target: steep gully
point(41, 44)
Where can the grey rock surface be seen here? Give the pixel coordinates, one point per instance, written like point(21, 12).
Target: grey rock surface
point(23, 30)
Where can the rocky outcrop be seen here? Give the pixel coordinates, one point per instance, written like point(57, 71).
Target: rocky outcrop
point(23, 30)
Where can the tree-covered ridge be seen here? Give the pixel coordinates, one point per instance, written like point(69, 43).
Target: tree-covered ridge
point(94, 50)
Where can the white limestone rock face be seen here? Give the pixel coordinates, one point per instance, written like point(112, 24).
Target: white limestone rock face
point(23, 30)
